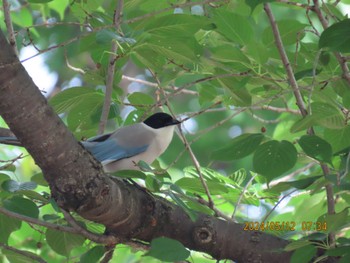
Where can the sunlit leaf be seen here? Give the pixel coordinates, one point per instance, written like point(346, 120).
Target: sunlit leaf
point(7, 226)
point(304, 254)
point(254, 3)
point(339, 138)
point(336, 37)
point(93, 255)
point(62, 242)
point(273, 158)
point(139, 98)
point(335, 222)
point(194, 185)
point(22, 206)
point(239, 147)
point(316, 147)
point(227, 25)
point(323, 114)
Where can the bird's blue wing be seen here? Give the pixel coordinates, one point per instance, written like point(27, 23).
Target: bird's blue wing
point(108, 150)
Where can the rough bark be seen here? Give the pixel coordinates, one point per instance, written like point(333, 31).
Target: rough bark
point(78, 183)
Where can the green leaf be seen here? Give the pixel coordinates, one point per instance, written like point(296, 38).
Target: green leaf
point(180, 203)
point(15, 257)
point(39, 179)
point(323, 114)
point(304, 254)
point(289, 30)
point(68, 99)
point(14, 186)
point(339, 139)
point(238, 94)
point(178, 25)
point(238, 176)
point(167, 250)
point(335, 222)
point(317, 148)
point(306, 73)
point(22, 206)
point(106, 36)
point(227, 25)
point(23, 18)
point(336, 37)
point(93, 255)
point(297, 245)
point(338, 251)
point(345, 258)
point(152, 183)
point(63, 242)
point(7, 226)
point(195, 186)
point(33, 196)
point(140, 98)
point(59, 7)
point(239, 147)
point(4, 177)
point(273, 158)
point(299, 184)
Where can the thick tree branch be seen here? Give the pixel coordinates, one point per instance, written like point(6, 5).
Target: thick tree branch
point(78, 183)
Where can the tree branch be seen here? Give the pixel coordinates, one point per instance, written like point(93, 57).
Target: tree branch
point(78, 183)
point(9, 26)
point(285, 60)
point(300, 103)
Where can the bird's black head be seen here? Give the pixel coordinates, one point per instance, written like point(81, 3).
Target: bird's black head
point(160, 120)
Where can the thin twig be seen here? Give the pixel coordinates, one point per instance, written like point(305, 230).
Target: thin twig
point(279, 201)
point(155, 85)
point(241, 197)
point(108, 254)
point(10, 162)
point(9, 26)
point(285, 60)
point(23, 253)
point(111, 70)
point(37, 222)
point(79, 70)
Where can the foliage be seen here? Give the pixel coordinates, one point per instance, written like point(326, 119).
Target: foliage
point(217, 63)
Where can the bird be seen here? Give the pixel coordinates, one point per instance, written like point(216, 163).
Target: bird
point(124, 148)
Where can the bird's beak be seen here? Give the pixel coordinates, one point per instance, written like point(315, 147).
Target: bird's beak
point(175, 122)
